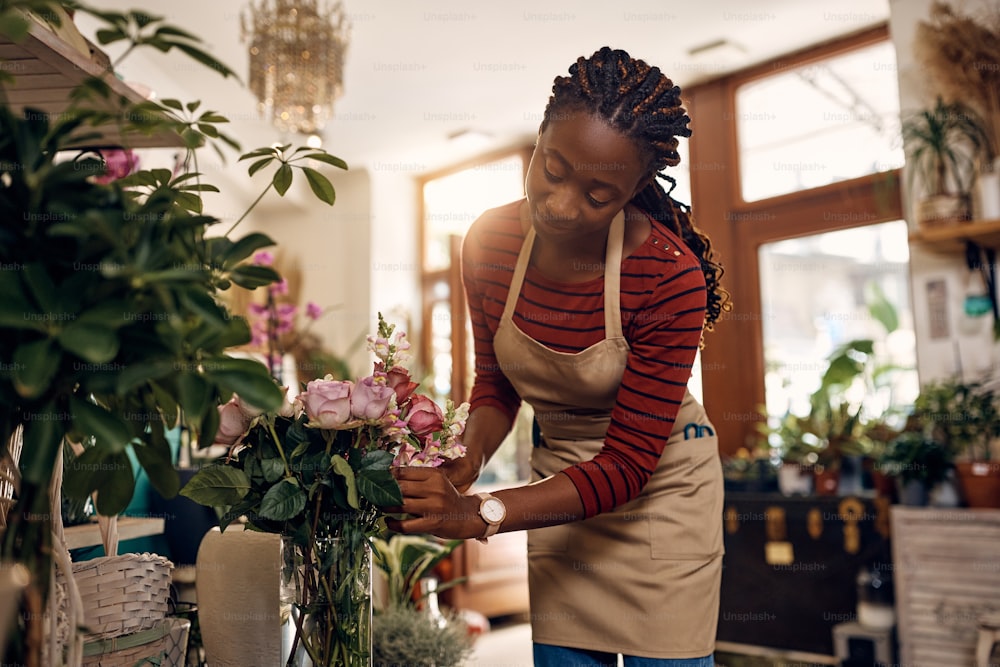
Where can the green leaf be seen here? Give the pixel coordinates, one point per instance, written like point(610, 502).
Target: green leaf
point(881, 308)
point(252, 276)
point(138, 373)
point(217, 485)
point(340, 466)
point(328, 159)
point(89, 419)
point(115, 484)
point(43, 434)
point(321, 186)
point(376, 459)
point(172, 103)
point(37, 278)
point(248, 378)
point(259, 164)
point(282, 179)
point(206, 60)
point(282, 501)
point(157, 460)
point(380, 488)
point(245, 247)
point(90, 341)
point(273, 468)
point(193, 392)
point(107, 36)
point(35, 364)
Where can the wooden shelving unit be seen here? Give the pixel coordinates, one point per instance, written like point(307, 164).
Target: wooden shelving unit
point(46, 68)
point(129, 528)
point(952, 238)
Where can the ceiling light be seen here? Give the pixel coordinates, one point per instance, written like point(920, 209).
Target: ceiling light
point(297, 50)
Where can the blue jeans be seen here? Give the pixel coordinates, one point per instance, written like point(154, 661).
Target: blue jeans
point(547, 655)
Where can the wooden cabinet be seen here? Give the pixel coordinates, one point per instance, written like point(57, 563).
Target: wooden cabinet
point(947, 576)
point(790, 569)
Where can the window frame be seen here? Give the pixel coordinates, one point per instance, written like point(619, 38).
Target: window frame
point(733, 358)
point(429, 278)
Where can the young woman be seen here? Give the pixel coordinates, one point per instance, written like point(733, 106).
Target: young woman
point(588, 300)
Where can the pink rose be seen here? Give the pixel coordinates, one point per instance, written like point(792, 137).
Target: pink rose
point(233, 424)
point(249, 411)
point(371, 396)
point(327, 403)
point(424, 416)
point(399, 379)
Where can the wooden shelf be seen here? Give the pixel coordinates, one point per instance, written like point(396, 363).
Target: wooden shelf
point(952, 238)
point(129, 528)
point(47, 67)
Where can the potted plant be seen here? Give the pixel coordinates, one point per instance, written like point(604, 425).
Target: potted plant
point(917, 463)
point(113, 326)
point(964, 418)
point(958, 51)
point(942, 145)
point(410, 628)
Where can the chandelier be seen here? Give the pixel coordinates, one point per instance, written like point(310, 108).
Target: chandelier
point(297, 52)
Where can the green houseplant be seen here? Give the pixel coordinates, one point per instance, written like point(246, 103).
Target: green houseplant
point(841, 425)
point(942, 145)
point(918, 463)
point(963, 417)
point(111, 324)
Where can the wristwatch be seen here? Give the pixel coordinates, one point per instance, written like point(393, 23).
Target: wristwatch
point(493, 512)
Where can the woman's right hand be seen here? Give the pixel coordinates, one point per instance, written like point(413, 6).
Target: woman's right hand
point(464, 471)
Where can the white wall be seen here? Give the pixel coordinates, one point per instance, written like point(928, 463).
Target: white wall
point(959, 351)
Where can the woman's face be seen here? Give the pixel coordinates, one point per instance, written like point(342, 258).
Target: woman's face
point(582, 173)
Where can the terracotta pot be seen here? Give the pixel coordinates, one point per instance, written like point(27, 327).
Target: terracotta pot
point(979, 482)
point(941, 210)
point(885, 485)
point(827, 481)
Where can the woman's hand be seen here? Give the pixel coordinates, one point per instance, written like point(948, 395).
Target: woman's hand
point(463, 472)
point(436, 506)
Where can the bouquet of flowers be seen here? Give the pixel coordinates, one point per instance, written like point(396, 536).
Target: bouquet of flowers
point(318, 472)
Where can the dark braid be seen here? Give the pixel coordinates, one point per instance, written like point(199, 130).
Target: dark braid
point(644, 105)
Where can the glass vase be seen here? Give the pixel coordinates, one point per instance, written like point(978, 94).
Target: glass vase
point(326, 598)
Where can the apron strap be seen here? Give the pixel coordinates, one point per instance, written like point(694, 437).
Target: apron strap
point(612, 273)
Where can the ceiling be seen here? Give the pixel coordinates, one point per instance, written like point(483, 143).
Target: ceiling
point(418, 72)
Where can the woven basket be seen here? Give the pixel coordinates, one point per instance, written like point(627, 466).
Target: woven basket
point(163, 645)
point(123, 594)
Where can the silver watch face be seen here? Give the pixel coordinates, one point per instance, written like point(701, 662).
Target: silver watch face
point(493, 510)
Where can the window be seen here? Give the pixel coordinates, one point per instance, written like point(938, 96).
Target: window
point(838, 225)
point(816, 293)
point(819, 123)
point(451, 203)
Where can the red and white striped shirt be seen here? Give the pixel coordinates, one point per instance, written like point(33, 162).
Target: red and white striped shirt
point(663, 300)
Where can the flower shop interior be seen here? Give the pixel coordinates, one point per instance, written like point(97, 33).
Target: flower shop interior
point(848, 148)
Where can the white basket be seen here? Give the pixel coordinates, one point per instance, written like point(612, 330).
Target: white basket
point(123, 594)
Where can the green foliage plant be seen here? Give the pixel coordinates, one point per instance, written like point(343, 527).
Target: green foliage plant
point(111, 324)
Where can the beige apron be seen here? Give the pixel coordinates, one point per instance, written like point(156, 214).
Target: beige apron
point(644, 578)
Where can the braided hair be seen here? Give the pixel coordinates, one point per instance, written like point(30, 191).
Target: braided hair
point(644, 105)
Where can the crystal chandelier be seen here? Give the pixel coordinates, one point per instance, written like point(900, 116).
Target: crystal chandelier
point(297, 52)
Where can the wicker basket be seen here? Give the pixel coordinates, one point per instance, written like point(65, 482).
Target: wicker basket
point(124, 594)
point(164, 645)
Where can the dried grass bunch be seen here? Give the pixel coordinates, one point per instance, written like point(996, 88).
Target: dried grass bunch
point(961, 54)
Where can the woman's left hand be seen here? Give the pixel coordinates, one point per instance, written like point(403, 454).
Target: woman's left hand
point(435, 505)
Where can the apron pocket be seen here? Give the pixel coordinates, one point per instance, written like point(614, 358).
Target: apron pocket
point(551, 539)
point(684, 510)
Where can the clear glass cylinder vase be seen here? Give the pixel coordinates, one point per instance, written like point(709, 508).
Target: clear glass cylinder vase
point(326, 598)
